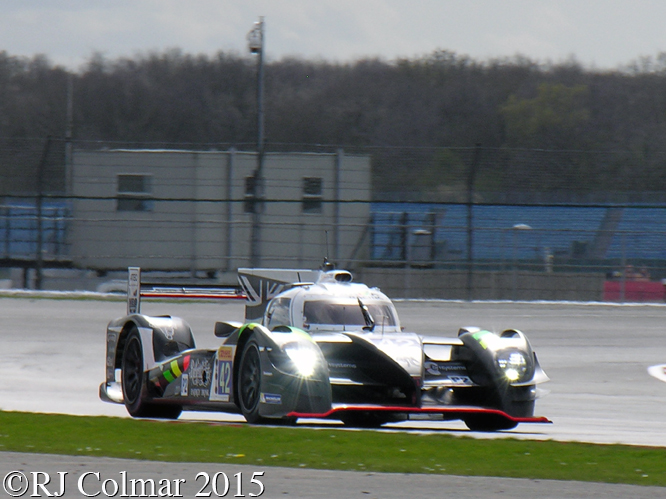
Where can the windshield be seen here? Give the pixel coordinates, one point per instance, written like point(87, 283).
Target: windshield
point(347, 314)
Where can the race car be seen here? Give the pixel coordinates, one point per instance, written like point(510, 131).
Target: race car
point(315, 344)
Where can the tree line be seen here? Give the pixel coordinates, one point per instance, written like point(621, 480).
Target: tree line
point(425, 120)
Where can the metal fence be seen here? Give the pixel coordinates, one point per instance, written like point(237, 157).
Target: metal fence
point(493, 175)
point(454, 251)
point(463, 223)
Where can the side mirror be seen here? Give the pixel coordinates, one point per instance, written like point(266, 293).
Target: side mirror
point(224, 329)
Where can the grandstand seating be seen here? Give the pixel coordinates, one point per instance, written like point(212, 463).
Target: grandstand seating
point(565, 231)
point(18, 229)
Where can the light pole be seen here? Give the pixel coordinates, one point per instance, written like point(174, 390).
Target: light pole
point(514, 231)
point(255, 40)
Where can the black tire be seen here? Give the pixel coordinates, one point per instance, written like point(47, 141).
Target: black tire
point(520, 406)
point(284, 421)
point(361, 419)
point(488, 423)
point(249, 383)
point(135, 391)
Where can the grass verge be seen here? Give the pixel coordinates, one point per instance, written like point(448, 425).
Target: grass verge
point(330, 449)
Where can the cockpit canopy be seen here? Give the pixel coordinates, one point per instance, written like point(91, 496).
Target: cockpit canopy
point(346, 313)
point(314, 311)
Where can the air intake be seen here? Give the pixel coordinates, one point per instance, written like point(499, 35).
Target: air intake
point(336, 276)
point(343, 276)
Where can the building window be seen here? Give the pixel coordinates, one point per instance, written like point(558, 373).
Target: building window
point(312, 194)
point(134, 193)
point(250, 194)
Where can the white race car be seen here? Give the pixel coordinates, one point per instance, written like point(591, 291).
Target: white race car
point(314, 344)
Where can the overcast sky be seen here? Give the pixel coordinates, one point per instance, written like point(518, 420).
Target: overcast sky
point(601, 34)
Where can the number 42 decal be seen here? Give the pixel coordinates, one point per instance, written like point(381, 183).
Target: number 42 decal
point(223, 374)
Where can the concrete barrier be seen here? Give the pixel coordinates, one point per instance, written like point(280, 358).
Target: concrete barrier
point(486, 285)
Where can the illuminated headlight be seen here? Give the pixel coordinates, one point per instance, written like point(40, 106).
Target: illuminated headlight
point(304, 359)
point(513, 364)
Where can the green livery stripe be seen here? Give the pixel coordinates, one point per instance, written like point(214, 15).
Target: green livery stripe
point(168, 376)
point(302, 334)
point(483, 337)
point(249, 325)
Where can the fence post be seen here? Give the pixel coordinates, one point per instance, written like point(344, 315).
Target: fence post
point(7, 213)
point(470, 220)
point(623, 282)
point(39, 260)
point(404, 237)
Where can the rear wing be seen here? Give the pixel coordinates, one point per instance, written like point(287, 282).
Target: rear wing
point(257, 286)
point(261, 285)
point(136, 289)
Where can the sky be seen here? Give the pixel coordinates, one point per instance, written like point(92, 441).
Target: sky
point(600, 34)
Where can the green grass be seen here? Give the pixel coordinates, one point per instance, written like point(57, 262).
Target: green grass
point(328, 448)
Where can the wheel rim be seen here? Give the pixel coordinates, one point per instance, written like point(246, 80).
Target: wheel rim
point(132, 370)
point(250, 379)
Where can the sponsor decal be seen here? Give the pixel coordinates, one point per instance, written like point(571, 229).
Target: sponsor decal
point(166, 373)
point(225, 353)
point(270, 398)
point(200, 372)
point(449, 374)
point(460, 380)
point(223, 374)
point(200, 376)
point(432, 368)
point(133, 290)
point(441, 369)
point(184, 385)
point(132, 305)
point(341, 365)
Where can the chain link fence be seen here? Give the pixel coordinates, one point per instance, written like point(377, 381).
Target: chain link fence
point(455, 223)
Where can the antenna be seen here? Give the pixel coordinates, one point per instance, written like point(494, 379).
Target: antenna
point(326, 234)
point(327, 266)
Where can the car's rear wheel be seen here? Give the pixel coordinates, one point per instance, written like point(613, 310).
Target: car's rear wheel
point(249, 382)
point(135, 391)
point(362, 419)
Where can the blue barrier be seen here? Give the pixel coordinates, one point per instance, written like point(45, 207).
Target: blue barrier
point(640, 233)
point(19, 230)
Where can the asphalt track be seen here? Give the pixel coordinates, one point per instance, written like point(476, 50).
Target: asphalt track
point(596, 356)
point(293, 483)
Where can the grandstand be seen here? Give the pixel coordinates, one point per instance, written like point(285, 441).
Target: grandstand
point(600, 233)
point(19, 221)
point(641, 234)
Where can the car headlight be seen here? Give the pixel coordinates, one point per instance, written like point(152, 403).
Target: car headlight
point(304, 359)
point(513, 364)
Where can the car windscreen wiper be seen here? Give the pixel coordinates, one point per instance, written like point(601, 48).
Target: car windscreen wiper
point(367, 317)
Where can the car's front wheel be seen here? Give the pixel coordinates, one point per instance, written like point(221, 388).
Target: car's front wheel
point(488, 423)
point(249, 382)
